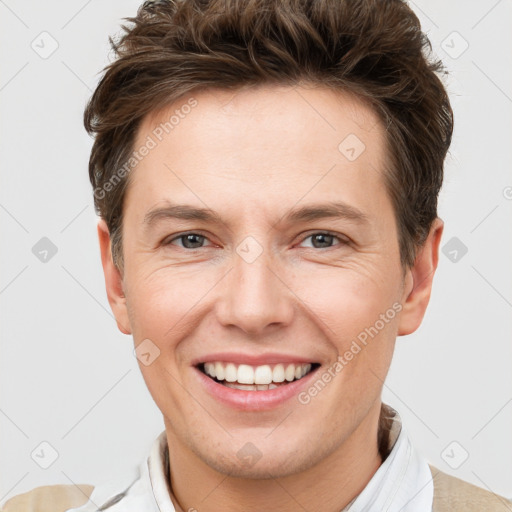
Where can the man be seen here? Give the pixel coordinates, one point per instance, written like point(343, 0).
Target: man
point(267, 177)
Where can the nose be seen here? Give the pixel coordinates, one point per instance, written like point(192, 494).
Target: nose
point(254, 296)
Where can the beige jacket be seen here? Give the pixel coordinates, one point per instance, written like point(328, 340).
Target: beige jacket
point(450, 495)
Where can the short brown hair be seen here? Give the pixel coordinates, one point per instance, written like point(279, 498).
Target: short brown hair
point(374, 49)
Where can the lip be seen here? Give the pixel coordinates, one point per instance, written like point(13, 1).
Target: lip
point(242, 400)
point(252, 359)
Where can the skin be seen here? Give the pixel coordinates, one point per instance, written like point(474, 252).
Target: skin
point(252, 157)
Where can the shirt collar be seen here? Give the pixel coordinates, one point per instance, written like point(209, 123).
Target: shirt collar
point(403, 482)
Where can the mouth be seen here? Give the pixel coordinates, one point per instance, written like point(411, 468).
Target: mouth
point(256, 378)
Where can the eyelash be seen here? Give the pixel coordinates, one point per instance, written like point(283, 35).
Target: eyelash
point(328, 233)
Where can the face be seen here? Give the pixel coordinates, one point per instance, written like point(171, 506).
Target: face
point(262, 277)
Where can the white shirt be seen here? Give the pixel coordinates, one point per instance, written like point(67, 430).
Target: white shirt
point(403, 483)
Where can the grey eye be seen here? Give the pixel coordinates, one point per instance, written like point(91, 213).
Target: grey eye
point(192, 240)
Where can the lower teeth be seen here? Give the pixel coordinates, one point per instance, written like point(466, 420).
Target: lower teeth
point(250, 387)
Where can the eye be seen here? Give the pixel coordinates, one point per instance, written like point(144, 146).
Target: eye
point(324, 240)
point(188, 240)
point(319, 240)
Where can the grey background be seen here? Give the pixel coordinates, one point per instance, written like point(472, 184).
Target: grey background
point(69, 378)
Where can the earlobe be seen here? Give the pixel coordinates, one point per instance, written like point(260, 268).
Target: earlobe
point(418, 281)
point(113, 280)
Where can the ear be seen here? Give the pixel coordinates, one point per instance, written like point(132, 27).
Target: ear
point(113, 280)
point(418, 281)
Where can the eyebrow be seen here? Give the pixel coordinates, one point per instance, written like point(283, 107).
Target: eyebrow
point(304, 214)
point(325, 211)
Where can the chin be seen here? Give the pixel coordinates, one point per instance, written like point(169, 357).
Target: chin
point(260, 470)
point(271, 461)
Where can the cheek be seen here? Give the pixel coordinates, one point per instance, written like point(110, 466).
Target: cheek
point(358, 317)
point(164, 304)
point(346, 300)
point(156, 303)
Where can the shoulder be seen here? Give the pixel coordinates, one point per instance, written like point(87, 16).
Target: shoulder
point(453, 494)
point(49, 498)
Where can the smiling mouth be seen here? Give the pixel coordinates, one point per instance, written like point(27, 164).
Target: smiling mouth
point(256, 378)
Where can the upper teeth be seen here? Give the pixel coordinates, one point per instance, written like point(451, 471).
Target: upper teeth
point(246, 374)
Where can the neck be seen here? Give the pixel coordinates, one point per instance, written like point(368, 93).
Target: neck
point(336, 480)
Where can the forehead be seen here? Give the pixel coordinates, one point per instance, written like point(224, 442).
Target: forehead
point(301, 113)
point(261, 145)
